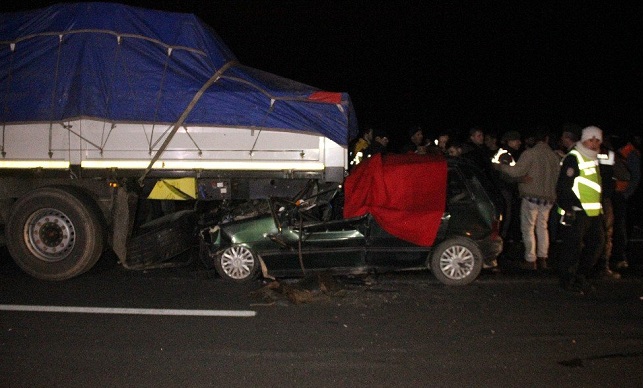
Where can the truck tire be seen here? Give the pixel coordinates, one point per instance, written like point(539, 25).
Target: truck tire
point(55, 233)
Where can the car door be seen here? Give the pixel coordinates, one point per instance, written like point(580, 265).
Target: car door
point(388, 251)
point(332, 244)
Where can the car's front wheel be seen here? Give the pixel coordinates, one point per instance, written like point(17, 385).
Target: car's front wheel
point(238, 264)
point(456, 261)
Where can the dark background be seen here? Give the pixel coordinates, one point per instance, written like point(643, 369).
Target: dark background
point(445, 65)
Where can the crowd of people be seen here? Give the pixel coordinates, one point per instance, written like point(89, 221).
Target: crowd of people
point(577, 186)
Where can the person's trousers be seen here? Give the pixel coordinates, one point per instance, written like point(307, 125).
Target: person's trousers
point(620, 236)
point(534, 229)
point(607, 205)
point(584, 243)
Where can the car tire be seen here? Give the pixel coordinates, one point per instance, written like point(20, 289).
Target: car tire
point(237, 264)
point(55, 233)
point(456, 261)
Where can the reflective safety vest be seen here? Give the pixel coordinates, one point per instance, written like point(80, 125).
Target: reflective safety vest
point(587, 186)
point(499, 153)
point(358, 151)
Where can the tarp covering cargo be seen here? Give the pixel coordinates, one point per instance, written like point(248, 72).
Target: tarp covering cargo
point(125, 64)
point(406, 194)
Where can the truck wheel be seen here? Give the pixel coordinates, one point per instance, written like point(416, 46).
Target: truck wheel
point(237, 264)
point(55, 233)
point(456, 261)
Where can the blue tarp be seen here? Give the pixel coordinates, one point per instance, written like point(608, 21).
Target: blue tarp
point(126, 64)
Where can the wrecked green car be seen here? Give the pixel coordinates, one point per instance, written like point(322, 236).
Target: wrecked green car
point(394, 212)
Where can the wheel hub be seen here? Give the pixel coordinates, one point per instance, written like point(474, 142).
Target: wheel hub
point(457, 262)
point(237, 262)
point(50, 235)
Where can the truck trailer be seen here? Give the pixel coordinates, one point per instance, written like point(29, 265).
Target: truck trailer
point(115, 115)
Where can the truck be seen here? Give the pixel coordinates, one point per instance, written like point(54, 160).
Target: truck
point(118, 121)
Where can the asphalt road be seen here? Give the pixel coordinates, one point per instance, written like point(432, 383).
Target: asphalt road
point(510, 329)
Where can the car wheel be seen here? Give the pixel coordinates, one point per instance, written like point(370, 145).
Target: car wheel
point(237, 263)
point(456, 261)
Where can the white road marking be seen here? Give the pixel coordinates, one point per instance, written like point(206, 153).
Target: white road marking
point(135, 311)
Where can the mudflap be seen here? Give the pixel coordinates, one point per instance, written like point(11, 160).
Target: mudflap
point(123, 213)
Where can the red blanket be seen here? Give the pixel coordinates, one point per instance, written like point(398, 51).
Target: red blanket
point(404, 193)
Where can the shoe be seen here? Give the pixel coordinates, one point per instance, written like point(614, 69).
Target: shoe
point(621, 264)
point(578, 285)
point(528, 265)
point(542, 263)
point(586, 286)
point(489, 264)
point(493, 270)
point(608, 274)
point(573, 288)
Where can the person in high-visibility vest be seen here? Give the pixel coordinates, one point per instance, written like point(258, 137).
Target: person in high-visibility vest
point(579, 198)
point(359, 146)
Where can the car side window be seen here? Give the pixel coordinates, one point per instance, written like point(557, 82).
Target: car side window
point(456, 188)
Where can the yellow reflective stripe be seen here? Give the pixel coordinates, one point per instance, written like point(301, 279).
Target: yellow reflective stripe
point(585, 165)
point(499, 152)
point(53, 164)
point(204, 164)
point(578, 155)
point(589, 183)
point(590, 171)
point(357, 159)
point(575, 189)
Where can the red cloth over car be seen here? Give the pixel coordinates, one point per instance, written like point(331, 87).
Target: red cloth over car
point(406, 194)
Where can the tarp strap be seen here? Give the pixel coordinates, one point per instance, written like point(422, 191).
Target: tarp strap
point(53, 93)
point(268, 112)
point(117, 55)
point(12, 46)
point(156, 105)
point(183, 117)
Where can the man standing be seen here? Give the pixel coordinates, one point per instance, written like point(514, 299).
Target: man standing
point(606, 159)
point(508, 154)
point(579, 198)
point(540, 164)
point(475, 150)
point(625, 190)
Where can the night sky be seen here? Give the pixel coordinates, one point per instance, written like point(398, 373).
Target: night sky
point(498, 64)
